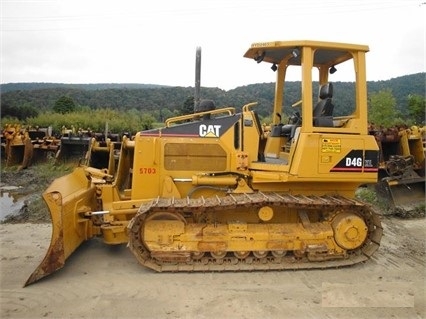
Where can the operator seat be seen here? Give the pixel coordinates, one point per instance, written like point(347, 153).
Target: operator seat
point(323, 111)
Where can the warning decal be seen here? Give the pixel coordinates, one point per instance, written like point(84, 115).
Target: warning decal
point(331, 145)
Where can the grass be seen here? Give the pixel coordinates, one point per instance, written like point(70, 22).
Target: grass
point(32, 182)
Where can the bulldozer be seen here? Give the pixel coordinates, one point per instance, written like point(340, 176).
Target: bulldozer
point(218, 190)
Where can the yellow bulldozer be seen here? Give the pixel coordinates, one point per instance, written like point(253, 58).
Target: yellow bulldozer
point(219, 191)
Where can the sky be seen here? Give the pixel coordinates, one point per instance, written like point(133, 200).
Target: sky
point(155, 42)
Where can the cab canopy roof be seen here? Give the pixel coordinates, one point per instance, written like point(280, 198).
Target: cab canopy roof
point(326, 53)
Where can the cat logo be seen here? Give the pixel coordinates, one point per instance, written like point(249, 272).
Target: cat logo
point(209, 130)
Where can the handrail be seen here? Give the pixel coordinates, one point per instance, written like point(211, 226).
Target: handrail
point(246, 108)
point(229, 110)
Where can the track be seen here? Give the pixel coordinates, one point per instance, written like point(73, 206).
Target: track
point(190, 262)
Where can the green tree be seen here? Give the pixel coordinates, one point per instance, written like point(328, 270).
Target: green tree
point(64, 105)
point(417, 108)
point(188, 106)
point(146, 121)
point(19, 112)
point(382, 108)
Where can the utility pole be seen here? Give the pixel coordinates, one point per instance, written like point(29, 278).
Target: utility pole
point(197, 78)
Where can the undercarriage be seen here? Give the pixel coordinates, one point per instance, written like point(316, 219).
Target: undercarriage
point(186, 234)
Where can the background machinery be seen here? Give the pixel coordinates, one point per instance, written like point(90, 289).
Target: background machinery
point(24, 146)
point(218, 191)
point(16, 146)
point(402, 168)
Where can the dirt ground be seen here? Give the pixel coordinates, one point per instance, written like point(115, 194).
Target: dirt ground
point(99, 281)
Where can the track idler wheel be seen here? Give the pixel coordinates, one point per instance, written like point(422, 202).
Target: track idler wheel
point(350, 230)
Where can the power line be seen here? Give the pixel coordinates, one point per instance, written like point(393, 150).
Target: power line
point(269, 9)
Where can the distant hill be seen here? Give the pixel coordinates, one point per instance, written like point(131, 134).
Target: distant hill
point(31, 86)
point(149, 97)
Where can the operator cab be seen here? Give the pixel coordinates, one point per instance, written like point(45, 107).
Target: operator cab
point(312, 72)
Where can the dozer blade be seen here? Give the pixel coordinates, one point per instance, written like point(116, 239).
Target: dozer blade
point(68, 199)
point(406, 194)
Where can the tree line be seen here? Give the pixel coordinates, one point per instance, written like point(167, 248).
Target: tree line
point(135, 107)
